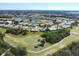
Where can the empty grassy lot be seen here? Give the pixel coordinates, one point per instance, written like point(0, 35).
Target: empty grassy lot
point(55, 47)
point(30, 40)
point(2, 30)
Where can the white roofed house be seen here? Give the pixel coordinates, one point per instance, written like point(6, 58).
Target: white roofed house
point(10, 22)
point(1, 22)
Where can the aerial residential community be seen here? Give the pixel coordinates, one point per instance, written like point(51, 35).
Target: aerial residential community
point(36, 24)
point(39, 32)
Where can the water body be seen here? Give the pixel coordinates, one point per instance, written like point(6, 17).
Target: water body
point(64, 12)
point(27, 19)
point(39, 11)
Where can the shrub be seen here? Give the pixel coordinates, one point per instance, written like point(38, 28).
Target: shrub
point(19, 51)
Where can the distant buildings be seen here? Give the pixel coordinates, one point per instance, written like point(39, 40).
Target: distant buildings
point(25, 25)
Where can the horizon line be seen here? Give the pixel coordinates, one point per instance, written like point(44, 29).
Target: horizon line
point(44, 10)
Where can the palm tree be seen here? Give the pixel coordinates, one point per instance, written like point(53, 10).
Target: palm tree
point(56, 23)
point(1, 36)
point(30, 21)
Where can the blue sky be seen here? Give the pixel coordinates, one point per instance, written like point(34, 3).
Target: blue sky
point(39, 6)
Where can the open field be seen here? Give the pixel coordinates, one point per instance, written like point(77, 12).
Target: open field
point(55, 47)
point(31, 38)
point(7, 18)
point(45, 21)
point(28, 41)
point(2, 30)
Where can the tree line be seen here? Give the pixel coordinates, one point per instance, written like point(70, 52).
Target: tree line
point(16, 31)
point(70, 50)
point(55, 36)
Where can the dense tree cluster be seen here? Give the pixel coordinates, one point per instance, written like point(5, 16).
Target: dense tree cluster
point(19, 51)
point(40, 43)
point(2, 36)
point(16, 22)
point(70, 50)
point(16, 31)
point(55, 36)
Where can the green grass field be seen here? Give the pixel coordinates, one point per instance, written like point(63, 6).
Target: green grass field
point(55, 47)
point(6, 18)
point(28, 41)
point(2, 30)
point(31, 38)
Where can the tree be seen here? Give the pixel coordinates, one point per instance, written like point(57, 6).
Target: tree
point(24, 32)
point(74, 24)
point(16, 31)
point(16, 22)
point(19, 51)
point(55, 36)
point(70, 50)
point(57, 23)
point(2, 36)
point(30, 20)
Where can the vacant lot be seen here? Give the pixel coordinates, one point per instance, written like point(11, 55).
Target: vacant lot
point(2, 30)
point(31, 39)
point(28, 41)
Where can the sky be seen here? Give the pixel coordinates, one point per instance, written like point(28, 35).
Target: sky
point(39, 6)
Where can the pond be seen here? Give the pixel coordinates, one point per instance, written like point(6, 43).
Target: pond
point(23, 18)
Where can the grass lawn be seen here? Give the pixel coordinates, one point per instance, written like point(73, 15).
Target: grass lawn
point(28, 40)
point(75, 29)
point(2, 30)
point(45, 21)
point(6, 18)
point(66, 41)
point(55, 47)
